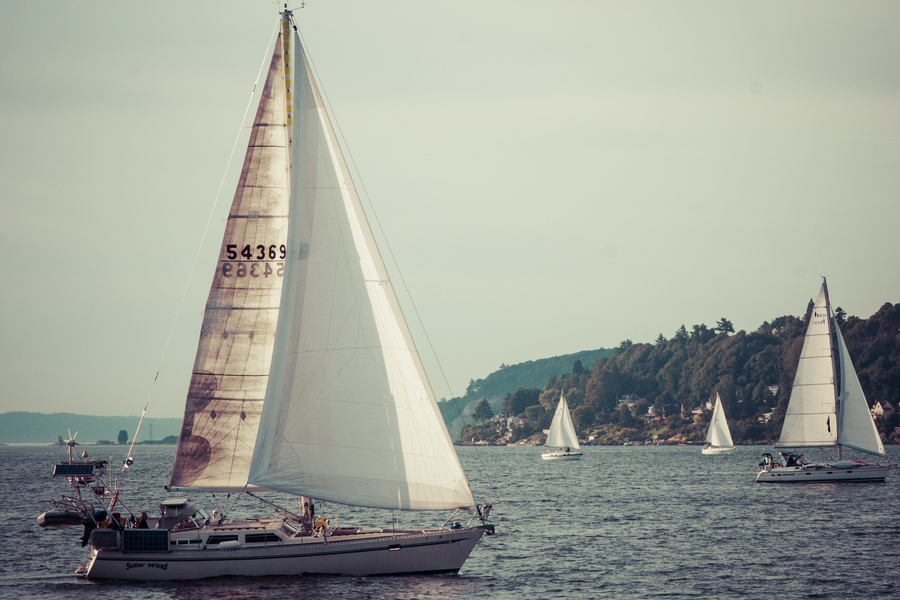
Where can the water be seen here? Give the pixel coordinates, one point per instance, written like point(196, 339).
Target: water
point(622, 523)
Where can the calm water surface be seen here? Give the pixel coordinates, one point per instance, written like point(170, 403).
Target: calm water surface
point(622, 523)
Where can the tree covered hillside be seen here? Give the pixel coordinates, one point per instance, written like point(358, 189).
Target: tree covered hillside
point(496, 386)
point(648, 392)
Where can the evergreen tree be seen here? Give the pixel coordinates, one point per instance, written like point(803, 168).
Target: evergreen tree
point(723, 325)
point(483, 411)
point(840, 315)
point(516, 402)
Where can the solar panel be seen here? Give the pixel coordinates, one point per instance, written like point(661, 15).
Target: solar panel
point(74, 470)
point(145, 540)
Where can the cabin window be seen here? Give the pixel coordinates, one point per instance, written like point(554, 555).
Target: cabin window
point(218, 539)
point(185, 542)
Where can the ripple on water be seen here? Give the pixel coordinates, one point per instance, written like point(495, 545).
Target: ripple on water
point(622, 523)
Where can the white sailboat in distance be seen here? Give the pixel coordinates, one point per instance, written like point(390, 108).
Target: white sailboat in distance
point(562, 438)
point(306, 381)
point(718, 438)
point(827, 410)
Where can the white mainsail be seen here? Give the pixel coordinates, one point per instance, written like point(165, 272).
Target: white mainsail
point(349, 414)
point(811, 418)
point(562, 430)
point(856, 428)
point(719, 435)
point(231, 369)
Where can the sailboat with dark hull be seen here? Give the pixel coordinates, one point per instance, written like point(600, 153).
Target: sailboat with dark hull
point(306, 382)
point(827, 410)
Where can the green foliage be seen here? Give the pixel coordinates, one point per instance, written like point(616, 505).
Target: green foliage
point(583, 417)
point(678, 375)
point(840, 315)
point(169, 439)
point(624, 346)
point(723, 325)
point(483, 411)
point(496, 386)
point(123, 436)
point(517, 401)
point(536, 413)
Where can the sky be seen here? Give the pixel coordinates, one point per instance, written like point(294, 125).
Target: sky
point(551, 177)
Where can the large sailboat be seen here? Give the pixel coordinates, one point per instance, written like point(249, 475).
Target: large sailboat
point(827, 410)
point(561, 439)
point(306, 382)
point(718, 438)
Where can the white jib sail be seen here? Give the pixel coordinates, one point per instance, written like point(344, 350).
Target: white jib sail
point(857, 428)
point(719, 435)
point(810, 419)
point(231, 369)
point(349, 415)
point(562, 430)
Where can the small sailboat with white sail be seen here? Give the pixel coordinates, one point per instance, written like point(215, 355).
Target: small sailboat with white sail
point(718, 438)
point(306, 382)
point(562, 438)
point(827, 410)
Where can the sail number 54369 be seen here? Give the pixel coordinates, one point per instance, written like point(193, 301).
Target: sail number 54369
point(253, 268)
point(261, 252)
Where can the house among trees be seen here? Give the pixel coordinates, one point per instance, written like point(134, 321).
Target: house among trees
point(628, 399)
point(882, 410)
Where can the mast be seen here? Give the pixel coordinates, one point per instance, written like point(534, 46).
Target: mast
point(836, 361)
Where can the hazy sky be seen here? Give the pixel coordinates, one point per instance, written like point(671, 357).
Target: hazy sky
point(552, 176)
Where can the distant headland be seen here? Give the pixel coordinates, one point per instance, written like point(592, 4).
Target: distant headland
point(37, 428)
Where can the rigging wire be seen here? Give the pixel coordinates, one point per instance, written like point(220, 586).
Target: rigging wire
point(390, 250)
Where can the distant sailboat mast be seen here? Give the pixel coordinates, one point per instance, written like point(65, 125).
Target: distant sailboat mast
point(836, 365)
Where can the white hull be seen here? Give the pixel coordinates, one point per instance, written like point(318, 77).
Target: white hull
point(822, 474)
point(561, 455)
point(716, 450)
point(388, 553)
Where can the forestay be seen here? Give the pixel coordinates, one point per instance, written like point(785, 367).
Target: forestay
point(231, 369)
point(349, 414)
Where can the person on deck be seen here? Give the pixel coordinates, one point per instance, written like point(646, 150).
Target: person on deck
point(115, 521)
